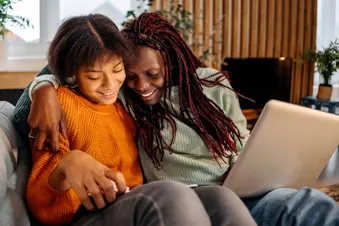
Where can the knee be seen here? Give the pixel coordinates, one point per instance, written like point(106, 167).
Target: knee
point(170, 190)
point(216, 192)
point(173, 196)
point(280, 195)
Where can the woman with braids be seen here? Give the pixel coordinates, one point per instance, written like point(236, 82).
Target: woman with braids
point(190, 127)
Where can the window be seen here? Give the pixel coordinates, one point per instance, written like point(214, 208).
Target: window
point(30, 10)
point(327, 30)
point(28, 47)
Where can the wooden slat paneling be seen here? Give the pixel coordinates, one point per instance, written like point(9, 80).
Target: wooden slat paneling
point(216, 61)
point(235, 37)
point(187, 5)
point(262, 28)
point(163, 4)
point(207, 28)
point(270, 28)
point(285, 28)
point(299, 47)
point(254, 28)
point(245, 28)
point(226, 12)
point(258, 28)
point(278, 28)
point(197, 27)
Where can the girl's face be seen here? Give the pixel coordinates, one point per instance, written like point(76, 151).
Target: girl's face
point(146, 74)
point(102, 81)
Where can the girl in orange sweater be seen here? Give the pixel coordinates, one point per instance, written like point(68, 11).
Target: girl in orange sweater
point(98, 157)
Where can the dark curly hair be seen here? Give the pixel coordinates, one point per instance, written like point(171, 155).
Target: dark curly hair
point(82, 40)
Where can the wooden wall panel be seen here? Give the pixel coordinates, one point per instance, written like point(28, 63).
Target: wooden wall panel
point(207, 28)
point(270, 34)
point(245, 28)
point(197, 27)
point(278, 26)
point(262, 28)
point(216, 61)
point(256, 28)
point(235, 30)
point(226, 25)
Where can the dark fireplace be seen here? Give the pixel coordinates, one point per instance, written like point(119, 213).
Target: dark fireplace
point(260, 79)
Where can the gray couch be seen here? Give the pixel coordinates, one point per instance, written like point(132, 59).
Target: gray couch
point(14, 169)
point(15, 165)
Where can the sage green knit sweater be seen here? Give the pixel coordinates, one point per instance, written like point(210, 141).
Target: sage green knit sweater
point(191, 162)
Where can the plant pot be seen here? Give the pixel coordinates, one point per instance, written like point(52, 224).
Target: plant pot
point(3, 54)
point(324, 92)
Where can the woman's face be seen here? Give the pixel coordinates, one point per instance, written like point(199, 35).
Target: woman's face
point(101, 82)
point(146, 74)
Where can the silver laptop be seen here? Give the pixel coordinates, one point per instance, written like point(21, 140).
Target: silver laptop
point(289, 147)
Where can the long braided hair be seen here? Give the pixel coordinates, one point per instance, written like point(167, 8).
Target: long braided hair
point(217, 130)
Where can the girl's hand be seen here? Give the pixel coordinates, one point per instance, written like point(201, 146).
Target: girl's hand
point(87, 176)
point(46, 118)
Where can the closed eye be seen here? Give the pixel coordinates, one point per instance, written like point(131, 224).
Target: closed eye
point(118, 70)
point(91, 78)
point(130, 76)
point(153, 74)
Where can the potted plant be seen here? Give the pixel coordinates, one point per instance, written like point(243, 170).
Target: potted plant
point(326, 62)
point(6, 18)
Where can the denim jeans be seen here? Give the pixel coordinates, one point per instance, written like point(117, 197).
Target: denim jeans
point(168, 203)
point(305, 207)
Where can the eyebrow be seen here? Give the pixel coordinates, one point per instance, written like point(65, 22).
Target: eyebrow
point(120, 62)
point(153, 69)
point(91, 70)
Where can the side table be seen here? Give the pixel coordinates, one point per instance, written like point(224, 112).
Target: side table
point(331, 104)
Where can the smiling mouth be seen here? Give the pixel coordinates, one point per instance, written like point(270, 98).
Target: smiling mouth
point(108, 94)
point(147, 95)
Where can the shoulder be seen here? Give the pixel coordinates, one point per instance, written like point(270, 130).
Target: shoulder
point(219, 93)
point(70, 101)
point(66, 95)
point(205, 72)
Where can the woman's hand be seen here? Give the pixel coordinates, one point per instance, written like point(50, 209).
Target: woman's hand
point(87, 176)
point(46, 117)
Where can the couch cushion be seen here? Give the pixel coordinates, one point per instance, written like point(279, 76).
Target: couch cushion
point(13, 211)
point(8, 146)
point(8, 160)
point(6, 114)
point(19, 177)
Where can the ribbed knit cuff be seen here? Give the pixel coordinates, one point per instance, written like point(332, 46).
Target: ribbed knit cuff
point(42, 80)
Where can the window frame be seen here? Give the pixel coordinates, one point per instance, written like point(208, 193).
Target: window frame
point(32, 56)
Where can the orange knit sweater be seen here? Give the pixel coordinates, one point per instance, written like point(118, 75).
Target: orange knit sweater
point(106, 132)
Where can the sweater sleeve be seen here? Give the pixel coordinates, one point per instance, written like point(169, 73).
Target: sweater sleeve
point(48, 205)
point(22, 109)
point(228, 101)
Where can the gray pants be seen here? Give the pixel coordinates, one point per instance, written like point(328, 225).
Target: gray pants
point(163, 203)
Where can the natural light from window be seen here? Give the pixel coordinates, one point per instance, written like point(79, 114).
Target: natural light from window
point(28, 47)
point(327, 30)
point(30, 10)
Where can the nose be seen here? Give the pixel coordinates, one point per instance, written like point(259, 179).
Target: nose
point(108, 83)
point(141, 83)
